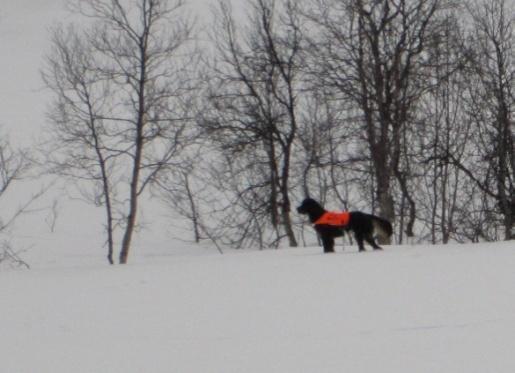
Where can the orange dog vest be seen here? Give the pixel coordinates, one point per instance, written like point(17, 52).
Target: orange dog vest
point(335, 218)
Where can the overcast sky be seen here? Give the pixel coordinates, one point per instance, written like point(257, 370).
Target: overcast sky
point(24, 39)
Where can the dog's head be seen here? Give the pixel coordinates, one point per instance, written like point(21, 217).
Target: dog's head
point(311, 208)
point(307, 205)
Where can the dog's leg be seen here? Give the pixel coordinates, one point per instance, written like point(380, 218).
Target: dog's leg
point(373, 243)
point(359, 239)
point(328, 243)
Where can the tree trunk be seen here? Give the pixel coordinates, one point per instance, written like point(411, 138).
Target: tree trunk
point(131, 218)
point(136, 166)
point(133, 201)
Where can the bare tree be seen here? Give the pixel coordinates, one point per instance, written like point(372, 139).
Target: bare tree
point(253, 114)
point(329, 157)
point(121, 88)
point(443, 129)
point(179, 188)
point(490, 106)
point(14, 168)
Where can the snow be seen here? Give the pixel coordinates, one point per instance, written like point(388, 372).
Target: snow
point(190, 309)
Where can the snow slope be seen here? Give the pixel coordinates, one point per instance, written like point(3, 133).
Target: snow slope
point(406, 309)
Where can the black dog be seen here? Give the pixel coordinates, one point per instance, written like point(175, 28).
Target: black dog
point(330, 225)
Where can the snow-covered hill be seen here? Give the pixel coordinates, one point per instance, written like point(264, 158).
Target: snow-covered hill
point(406, 309)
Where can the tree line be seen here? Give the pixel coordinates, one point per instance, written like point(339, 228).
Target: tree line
point(403, 108)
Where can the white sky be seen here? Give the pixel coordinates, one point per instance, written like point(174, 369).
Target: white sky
point(24, 39)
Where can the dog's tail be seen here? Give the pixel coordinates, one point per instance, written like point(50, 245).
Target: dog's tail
point(382, 227)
